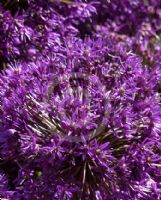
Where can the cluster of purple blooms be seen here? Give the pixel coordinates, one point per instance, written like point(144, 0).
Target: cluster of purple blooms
point(80, 113)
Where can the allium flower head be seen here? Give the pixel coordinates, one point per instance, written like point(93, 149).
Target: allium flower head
point(85, 126)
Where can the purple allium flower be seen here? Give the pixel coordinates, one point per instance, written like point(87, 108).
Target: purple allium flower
point(85, 124)
point(43, 24)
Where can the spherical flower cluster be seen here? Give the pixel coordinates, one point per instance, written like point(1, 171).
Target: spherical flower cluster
point(80, 114)
point(84, 126)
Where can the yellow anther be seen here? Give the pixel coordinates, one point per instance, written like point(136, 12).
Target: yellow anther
point(39, 173)
point(98, 150)
point(86, 52)
point(148, 158)
point(122, 91)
